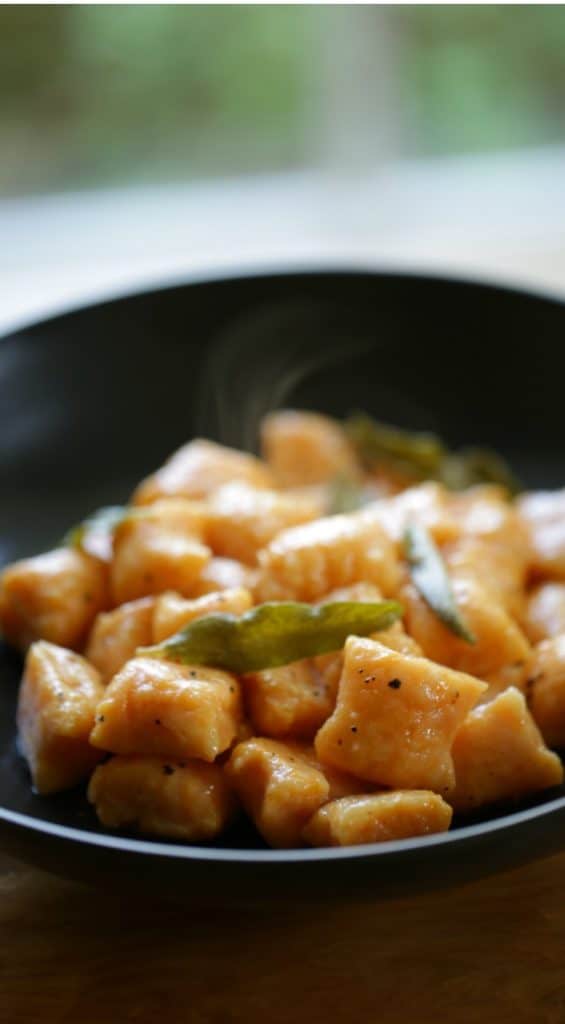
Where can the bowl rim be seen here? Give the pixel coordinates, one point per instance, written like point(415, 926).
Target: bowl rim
point(211, 854)
point(264, 270)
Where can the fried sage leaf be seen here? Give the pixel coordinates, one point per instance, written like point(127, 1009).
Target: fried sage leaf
point(419, 454)
point(431, 578)
point(273, 634)
point(472, 466)
point(424, 456)
point(94, 534)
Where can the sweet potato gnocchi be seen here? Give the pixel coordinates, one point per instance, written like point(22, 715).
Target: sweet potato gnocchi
point(348, 639)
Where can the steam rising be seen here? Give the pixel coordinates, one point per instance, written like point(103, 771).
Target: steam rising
point(257, 363)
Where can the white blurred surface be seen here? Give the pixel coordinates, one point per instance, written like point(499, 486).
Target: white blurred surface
point(499, 218)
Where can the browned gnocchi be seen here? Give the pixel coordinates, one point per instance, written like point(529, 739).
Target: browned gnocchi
point(327, 639)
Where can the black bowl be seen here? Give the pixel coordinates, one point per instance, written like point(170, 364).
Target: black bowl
point(92, 400)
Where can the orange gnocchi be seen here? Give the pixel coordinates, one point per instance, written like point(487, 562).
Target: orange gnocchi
point(324, 639)
point(156, 707)
point(306, 562)
point(396, 718)
point(377, 818)
point(57, 705)
point(187, 800)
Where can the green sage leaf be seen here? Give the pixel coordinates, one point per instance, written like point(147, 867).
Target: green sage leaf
point(273, 634)
point(430, 577)
point(473, 466)
point(424, 456)
point(418, 454)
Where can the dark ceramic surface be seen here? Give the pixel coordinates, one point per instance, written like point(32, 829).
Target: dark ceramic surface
point(92, 400)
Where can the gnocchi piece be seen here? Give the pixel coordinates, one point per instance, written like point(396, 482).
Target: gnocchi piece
point(242, 519)
point(396, 717)
point(544, 515)
point(178, 711)
point(499, 754)
point(499, 640)
point(187, 800)
point(331, 665)
point(491, 564)
point(303, 448)
point(56, 707)
point(493, 545)
point(173, 612)
point(544, 615)
point(152, 555)
point(198, 468)
point(189, 518)
point(278, 787)
point(378, 818)
point(223, 574)
point(292, 701)
point(53, 597)
point(546, 689)
point(484, 511)
point(116, 635)
point(306, 562)
point(427, 504)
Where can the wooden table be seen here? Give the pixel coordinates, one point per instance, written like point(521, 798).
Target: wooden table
point(492, 952)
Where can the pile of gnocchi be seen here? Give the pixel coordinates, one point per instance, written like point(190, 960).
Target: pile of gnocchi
point(384, 737)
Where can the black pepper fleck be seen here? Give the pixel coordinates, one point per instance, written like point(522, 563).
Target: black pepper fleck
point(353, 728)
point(157, 721)
point(395, 684)
point(168, 770)
point(100, 718)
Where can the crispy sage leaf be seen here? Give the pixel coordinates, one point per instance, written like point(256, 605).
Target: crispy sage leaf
point(419, 454)
point(273, 634)
point(94, 534)
point(473, 466)
point(423, 456)
point(431, 578)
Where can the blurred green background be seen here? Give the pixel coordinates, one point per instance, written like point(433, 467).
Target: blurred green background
point(99, 95)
